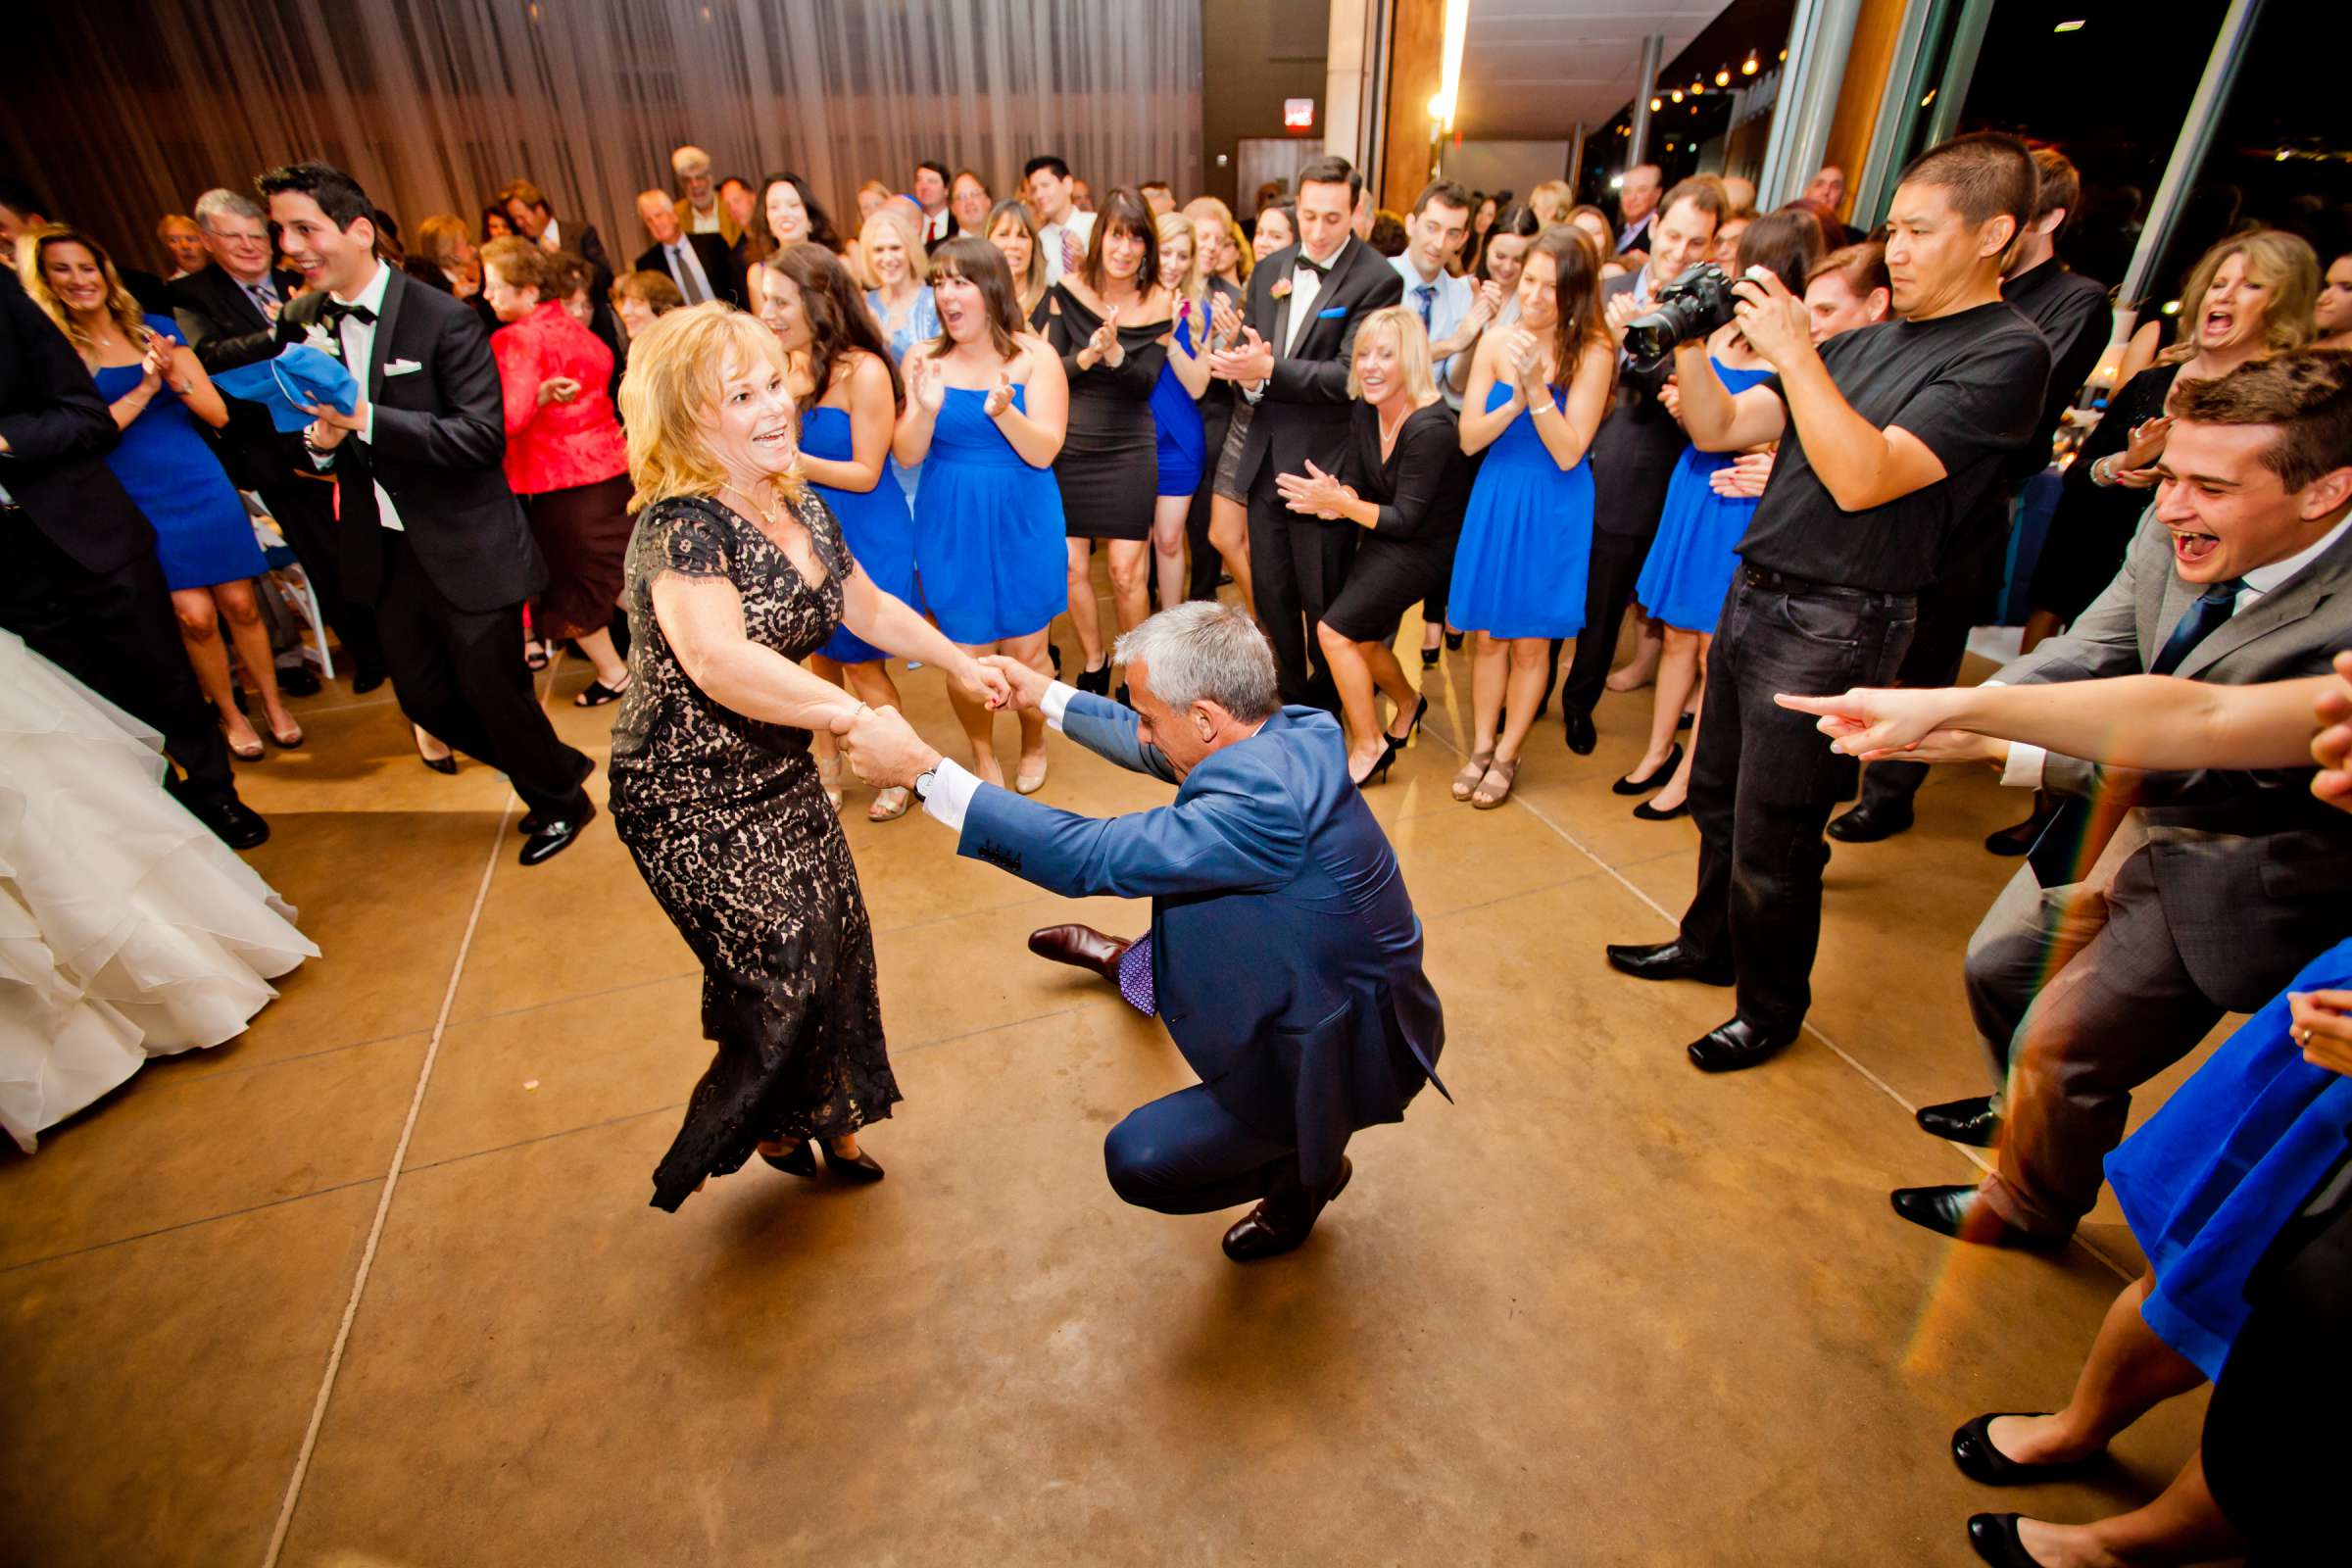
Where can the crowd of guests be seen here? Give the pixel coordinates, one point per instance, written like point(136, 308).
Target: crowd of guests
point(926, 424)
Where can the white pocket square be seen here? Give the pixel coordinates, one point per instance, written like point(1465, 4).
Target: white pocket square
point(402, 368)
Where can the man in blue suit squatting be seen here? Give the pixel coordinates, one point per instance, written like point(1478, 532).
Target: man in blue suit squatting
point(1284, 955)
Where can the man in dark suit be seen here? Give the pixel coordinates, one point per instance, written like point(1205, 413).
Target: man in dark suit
point(228, 314)
point(702, 264)
point(431, 536)
point(79, 577)
point(1299, 329)
point(1635, 451)
point(1636, 209)
point(527, 210)
point(1284, 955)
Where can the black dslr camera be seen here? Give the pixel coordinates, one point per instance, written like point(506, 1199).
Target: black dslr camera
point(1690, 306)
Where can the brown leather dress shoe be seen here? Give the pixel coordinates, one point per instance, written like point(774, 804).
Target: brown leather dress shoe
point(1081, 946)
point(1281, 1222)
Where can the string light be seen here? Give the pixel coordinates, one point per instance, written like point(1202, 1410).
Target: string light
point(1747, 66)
point(1723, 78)
point(1656, 104)
point(1676, 95)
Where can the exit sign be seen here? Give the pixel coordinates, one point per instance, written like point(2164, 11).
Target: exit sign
point(1298, 114)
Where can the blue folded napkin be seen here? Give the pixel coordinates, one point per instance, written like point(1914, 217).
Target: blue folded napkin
point(299, 375)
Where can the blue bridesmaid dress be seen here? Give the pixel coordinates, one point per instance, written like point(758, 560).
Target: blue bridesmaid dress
point(1527, 537)
point(1183, 438)
point(1687, 574)
point(874, 525)
point(202, 533)
point(988, 528)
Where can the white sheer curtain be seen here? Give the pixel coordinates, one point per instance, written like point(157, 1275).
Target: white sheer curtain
point(126, 112)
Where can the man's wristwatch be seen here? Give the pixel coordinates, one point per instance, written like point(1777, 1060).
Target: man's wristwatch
point(923, 782)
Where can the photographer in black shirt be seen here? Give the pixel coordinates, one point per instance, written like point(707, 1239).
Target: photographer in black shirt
point(1890, 437)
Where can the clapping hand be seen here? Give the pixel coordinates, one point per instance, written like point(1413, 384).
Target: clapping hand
point(1224, 322)
point(1103, 345)
point(1485, 304)
point(1252, 360)
point(1745, 478)
point(884, 750)
point(1315, 493)
point(926, 384)
point(557, 389)
point(153, 363)
point(1000, 396)
point(1670, 397)
point(2331, 747)
point(1027, 686)
point(1774, 319)
point(1525, 357)
point(1619, 313)
point(2134, 469)
point(2321, 1024)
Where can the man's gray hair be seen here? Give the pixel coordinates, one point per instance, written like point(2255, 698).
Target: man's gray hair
point(1205, 651)
point(689, 160)
point(225, 203)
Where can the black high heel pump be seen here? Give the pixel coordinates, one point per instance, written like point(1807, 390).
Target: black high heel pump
point(797, 1160)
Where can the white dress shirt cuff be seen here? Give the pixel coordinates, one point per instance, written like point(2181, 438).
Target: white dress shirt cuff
point(2023, 769)
point(367, 430)
point(953, 787)
point(1055, 704)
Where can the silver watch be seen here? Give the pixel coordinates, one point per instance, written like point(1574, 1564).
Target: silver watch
point(923, 782)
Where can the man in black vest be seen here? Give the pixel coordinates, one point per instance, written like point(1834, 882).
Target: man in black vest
point(431, 535)
point(1297, 337)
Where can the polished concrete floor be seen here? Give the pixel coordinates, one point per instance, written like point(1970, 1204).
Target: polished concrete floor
point(376, 1283)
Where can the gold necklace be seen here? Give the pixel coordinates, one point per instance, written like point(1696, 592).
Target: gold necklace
point(767, 518)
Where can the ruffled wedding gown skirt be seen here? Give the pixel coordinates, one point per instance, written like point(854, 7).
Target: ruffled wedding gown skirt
point(126, 930)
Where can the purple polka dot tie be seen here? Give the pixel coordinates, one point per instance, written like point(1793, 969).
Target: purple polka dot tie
point(1134, 977)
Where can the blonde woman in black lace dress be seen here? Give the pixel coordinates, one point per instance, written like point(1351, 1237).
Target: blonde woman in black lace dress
point(735, 572)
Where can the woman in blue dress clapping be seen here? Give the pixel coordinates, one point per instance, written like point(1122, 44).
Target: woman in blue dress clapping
point(1690, 562)
point(1540, 390)
point(987, 407)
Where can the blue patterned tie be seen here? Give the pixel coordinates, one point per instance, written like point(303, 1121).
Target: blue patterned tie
point(1134, 977)
point(2064, 853)
point(1427, 294)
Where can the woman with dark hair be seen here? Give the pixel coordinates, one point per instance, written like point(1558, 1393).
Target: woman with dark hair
point(1012, 230)
point(566, 460)
point(850, 397)
point(1690, 562)
point(1539, 391)
point(789, 213)
point(1105, 323)
point(987, 407)
point(496, 224)
point(1483, 209)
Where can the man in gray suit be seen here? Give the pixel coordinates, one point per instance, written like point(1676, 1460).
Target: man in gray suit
point(2103, 962)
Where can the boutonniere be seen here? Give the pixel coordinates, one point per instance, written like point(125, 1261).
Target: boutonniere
point(319, 338)
point(1281, 288)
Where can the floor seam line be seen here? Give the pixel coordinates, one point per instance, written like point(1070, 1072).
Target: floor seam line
point(1809, 1027)
point(185, 1224)
point(384, 1201)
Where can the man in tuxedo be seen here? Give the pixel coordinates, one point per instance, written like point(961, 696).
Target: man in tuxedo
point(1637, 205)
point(79, 577)
point(526, 209)
point(1635, 451)
point(431, 535)
point(702, 264)
point(2106, 960)
point(228, 314)
point(1283, 953)
point(931, 184)
point(1299, 328)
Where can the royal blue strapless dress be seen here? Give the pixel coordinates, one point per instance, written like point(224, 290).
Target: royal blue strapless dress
point(874, 525)
point(202, 533)
point(1527, 537)
point(2208, 1181)
point(1183, 440)
point(1689, 572)
point(988, 528)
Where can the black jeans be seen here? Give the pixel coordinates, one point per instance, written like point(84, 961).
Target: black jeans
point(1946, 613)
point(1765, 780)
point(115, 632)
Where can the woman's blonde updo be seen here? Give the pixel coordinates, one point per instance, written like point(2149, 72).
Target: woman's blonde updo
point(670, 393)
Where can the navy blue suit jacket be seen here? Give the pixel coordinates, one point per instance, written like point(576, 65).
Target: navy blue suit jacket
point(1285, 952)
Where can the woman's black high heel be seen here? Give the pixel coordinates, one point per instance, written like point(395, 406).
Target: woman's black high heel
point(1420, 712)
point(859, 1168)
point(1379, 771)
point(1429, 659)
point(1657, 780)
point(1650, 814)
point(1453, 642)
point(797, 1160)
point(1096, 681)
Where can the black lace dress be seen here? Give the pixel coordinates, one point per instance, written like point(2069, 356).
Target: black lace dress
point(731, 828)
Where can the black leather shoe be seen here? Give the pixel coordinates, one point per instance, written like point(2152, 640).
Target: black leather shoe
point(864, 1169)
point(298, 680)
point(366, 678)
point(1979, 1460)
point(1668, 960)
point(551, 838)
point(1730, 1047)
point(529, 824)
point(1582, 736)
point(2015, 841)
point(1955, 1211)
point(1972, 1123)
point(233, 823)
point(1994, 1536)
point(1081, 946)
point(1281, 1223)
point(1868, 823)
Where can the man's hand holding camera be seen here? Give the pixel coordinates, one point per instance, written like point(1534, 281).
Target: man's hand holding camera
point(1773, 319)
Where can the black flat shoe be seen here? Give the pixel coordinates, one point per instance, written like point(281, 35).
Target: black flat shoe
point(1453, 642)
point(1096, 681)
point(1994, 1536)
point(363, 681)
point(551, 838)
point(597, 694)
point(1979, 1460)
point(1684, 720)
point(1650, 814)
point(1972, 1123)
point(1582, 736)
point(1429, 659)
point(861, 1169)
point(1955, 1211)
point(797, 1160)
point(1657, 775)
point(1733, 1046)
point(1668, 960)
point(1868, 824)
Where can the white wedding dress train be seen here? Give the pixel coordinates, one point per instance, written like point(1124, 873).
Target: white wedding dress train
point(127, 929)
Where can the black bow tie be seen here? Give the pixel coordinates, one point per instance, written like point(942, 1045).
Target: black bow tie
point(334, 309)
point(1319, 268)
